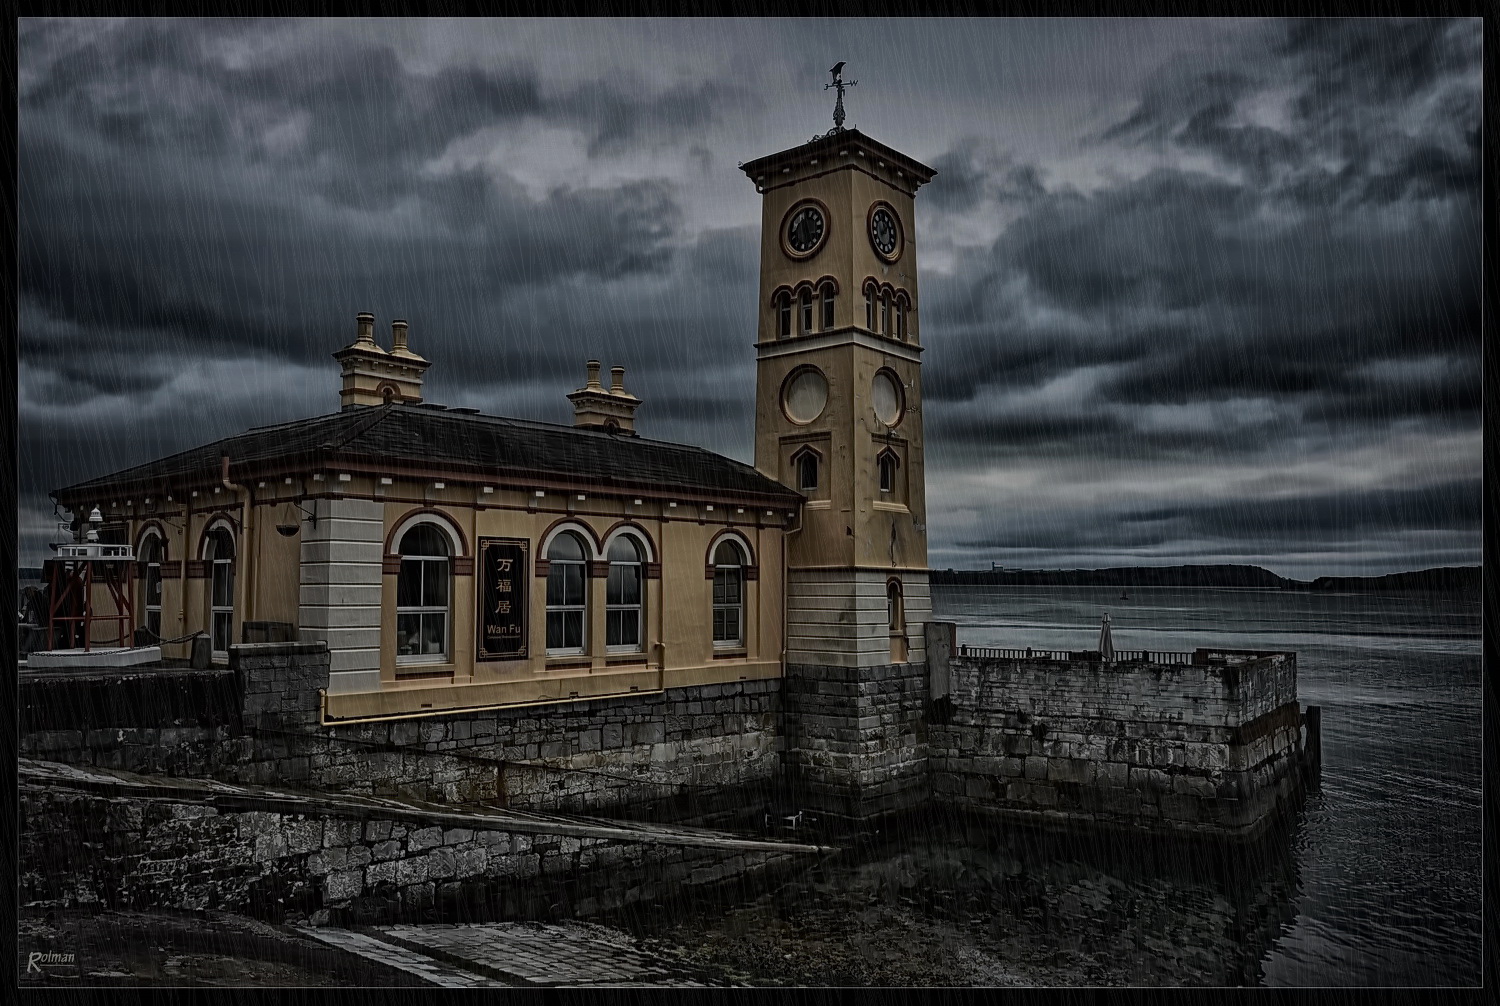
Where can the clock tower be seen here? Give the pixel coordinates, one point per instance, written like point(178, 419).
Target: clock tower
point(839, 394)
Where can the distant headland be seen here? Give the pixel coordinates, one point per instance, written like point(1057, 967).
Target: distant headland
point(1458, 579)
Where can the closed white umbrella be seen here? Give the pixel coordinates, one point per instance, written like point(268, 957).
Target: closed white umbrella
point(1106, 644)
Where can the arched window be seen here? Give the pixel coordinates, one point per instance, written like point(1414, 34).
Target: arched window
point(885, 312)
point(152, 553)
point(807, 311)
point(900, 319)
point(622, 600)
point(567, 594)
point(807, 471)
point(895, 606)
point(423, 592)
point(870, 308)
point(895, 603)
point(825, 295)
point(887, 462)
point(220, 556)
point(729, 595)
point(784, 314)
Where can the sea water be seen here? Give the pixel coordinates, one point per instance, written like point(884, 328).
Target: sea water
point(1374, 882)
point(1385, 856)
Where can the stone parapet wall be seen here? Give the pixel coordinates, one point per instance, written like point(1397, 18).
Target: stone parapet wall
point(1180, 747)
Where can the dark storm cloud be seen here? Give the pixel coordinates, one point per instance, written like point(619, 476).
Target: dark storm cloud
point(155, 210)
point(1273, 278)
point(1444, 506)
point(966, 177)
point(1259, 254)
point(1305, 522)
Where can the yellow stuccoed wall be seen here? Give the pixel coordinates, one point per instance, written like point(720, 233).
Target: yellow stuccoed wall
point(849, 522)
point(678, 626)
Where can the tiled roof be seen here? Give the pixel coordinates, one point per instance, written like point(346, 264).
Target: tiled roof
point(433, 439)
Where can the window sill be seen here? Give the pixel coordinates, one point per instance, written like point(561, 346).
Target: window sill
point(893, 507)
point(569, 662)
point(818, 505)
point(731, 653)
point(422, 672)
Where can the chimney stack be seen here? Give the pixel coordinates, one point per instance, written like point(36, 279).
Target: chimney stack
point(372, 376)
point(366, 328)
point(597, 408)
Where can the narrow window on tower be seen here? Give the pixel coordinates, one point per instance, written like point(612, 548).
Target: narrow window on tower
point(827, 297)
point(885, 313)
point(887, 463)
point(807, 311)
point(901, 318)
point(869, 309)
point(807, 472)
point(784, 314)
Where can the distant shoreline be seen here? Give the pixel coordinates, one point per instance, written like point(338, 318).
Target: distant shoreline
point(1444, 579)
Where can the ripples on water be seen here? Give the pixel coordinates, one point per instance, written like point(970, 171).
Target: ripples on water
point(1376, 882)
point(1387, 856)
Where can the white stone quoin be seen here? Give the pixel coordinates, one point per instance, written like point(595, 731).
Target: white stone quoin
point(340, 592)
point(838, 617)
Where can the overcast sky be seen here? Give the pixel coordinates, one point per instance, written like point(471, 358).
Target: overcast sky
point(1192, 291)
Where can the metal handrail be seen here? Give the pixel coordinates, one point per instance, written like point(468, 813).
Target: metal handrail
point(1032, 653)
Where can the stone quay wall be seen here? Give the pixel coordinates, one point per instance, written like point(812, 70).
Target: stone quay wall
point(856, 737)
point(1212, 746)
point(1205, 747)
point(700, 744)
point(85, 848)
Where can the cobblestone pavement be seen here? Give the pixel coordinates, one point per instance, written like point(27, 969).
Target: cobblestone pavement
point(568, 955)
point(370, 948)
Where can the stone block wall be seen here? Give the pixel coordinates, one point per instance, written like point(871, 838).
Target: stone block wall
point(681, 744)
point(1211, 747)
point(1177, 747)
point(686, 744)
point(856, 738)
point(82, 848)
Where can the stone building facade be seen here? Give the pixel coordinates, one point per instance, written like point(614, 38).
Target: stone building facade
point(457, 561)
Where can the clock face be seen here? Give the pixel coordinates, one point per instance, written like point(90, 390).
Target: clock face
point(885, 233)
point(804, 229)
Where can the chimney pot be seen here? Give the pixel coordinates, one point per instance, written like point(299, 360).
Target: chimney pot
point(593, 372)
point(366, 322)
point(398, 334)
point(617, 379)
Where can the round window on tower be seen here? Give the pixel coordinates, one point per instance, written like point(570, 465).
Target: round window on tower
point(887, 397)
point(804, 394)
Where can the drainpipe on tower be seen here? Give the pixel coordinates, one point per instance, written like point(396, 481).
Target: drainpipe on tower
point(187, 550)
point(786, 583)
point(251, 546)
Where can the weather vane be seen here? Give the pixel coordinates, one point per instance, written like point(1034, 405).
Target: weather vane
point(838, 108)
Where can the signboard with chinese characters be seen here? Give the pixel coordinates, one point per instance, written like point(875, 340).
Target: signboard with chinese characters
point(504, 572)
